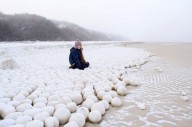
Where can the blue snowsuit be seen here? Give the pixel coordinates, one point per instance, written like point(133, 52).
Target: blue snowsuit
point(74, 58)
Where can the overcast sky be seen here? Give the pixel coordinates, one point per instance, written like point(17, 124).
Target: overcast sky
point(139, 20)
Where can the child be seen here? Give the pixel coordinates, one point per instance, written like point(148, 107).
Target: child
point(76, 58)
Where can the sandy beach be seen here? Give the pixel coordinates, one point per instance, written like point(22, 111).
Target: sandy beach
point(165, 81)
point(162, 91)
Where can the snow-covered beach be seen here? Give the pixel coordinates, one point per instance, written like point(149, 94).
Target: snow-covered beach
point(39, 82)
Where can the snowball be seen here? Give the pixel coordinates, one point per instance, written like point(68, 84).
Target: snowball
point(107, 97)
point(52, 103)
point(122, 83)
point(113, 93)
point(35, 123)
point(40, 99)
point(77, 98)
point(14, 115)
point(25, 93)
point(92, 97)
point(134, 82)
point(127, 81)
point(5, 100)
point(106, 104)
point(78, 118)
point(87, 90)
point(7, 122)
point(183, 93)
point(121, 90)
point(14, 103)
point(45, 95)
point(51, 122)
point(88, 103)
point(159, 69)
point(115, 81)
point(49, 109)
point(57, 106)
point(107, 88)
point(63, 115)
point(10, 94)
point(84, 111)
point(32, 96)
point(72, 106)
point(32, 112)
point(54, 98)
point(116, 102)
point(39, 105)
point(95, 116)
point(101, 94)
point(18, 125)
point(66, 100)
point(6, 109)
point(185, 98)
point(87, 94)
point(71, 124)
point(23, 107)
point(19, 97)
point(141, 106)
point(29, 101)
point(98, 106)
point(8, 64)
point(41, 116)
point(23, 119)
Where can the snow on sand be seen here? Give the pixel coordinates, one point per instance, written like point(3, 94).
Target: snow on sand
point(36, 86)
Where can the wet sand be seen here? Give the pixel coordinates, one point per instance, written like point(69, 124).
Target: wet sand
point(161, 91)
point(179, 53)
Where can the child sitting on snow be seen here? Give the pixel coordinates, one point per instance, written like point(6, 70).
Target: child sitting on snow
point(76, 58)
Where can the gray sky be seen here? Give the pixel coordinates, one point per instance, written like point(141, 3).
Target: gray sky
point(139, 20)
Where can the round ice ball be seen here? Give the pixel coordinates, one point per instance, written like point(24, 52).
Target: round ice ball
point(101, 94)
point(7, 122)
point(23, 119)
point(126, 80)
point(116, 102)
point(40, 99)
point(95, 116)
point(92, 97)
point(23, 107)
point(77, 98)
point(66, 100)
point(106, 104)
point(88, 103)
point(51, 122)
point(113, 93)
point(13, 115)
point(62, 114)
point(19, 97)
point(41, 116)
point(54, 98)
point(98, 106)
point(39, 105)
point(78, 118)
point(49, 109)
point(107, 97)
point(35, 123)
point(32, 112)
point(84, 111)
point(121, 90)
point(72, 106)
point(6, 109)
point(71, 124)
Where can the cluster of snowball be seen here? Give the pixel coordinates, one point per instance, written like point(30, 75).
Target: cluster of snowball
point(86, 98)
